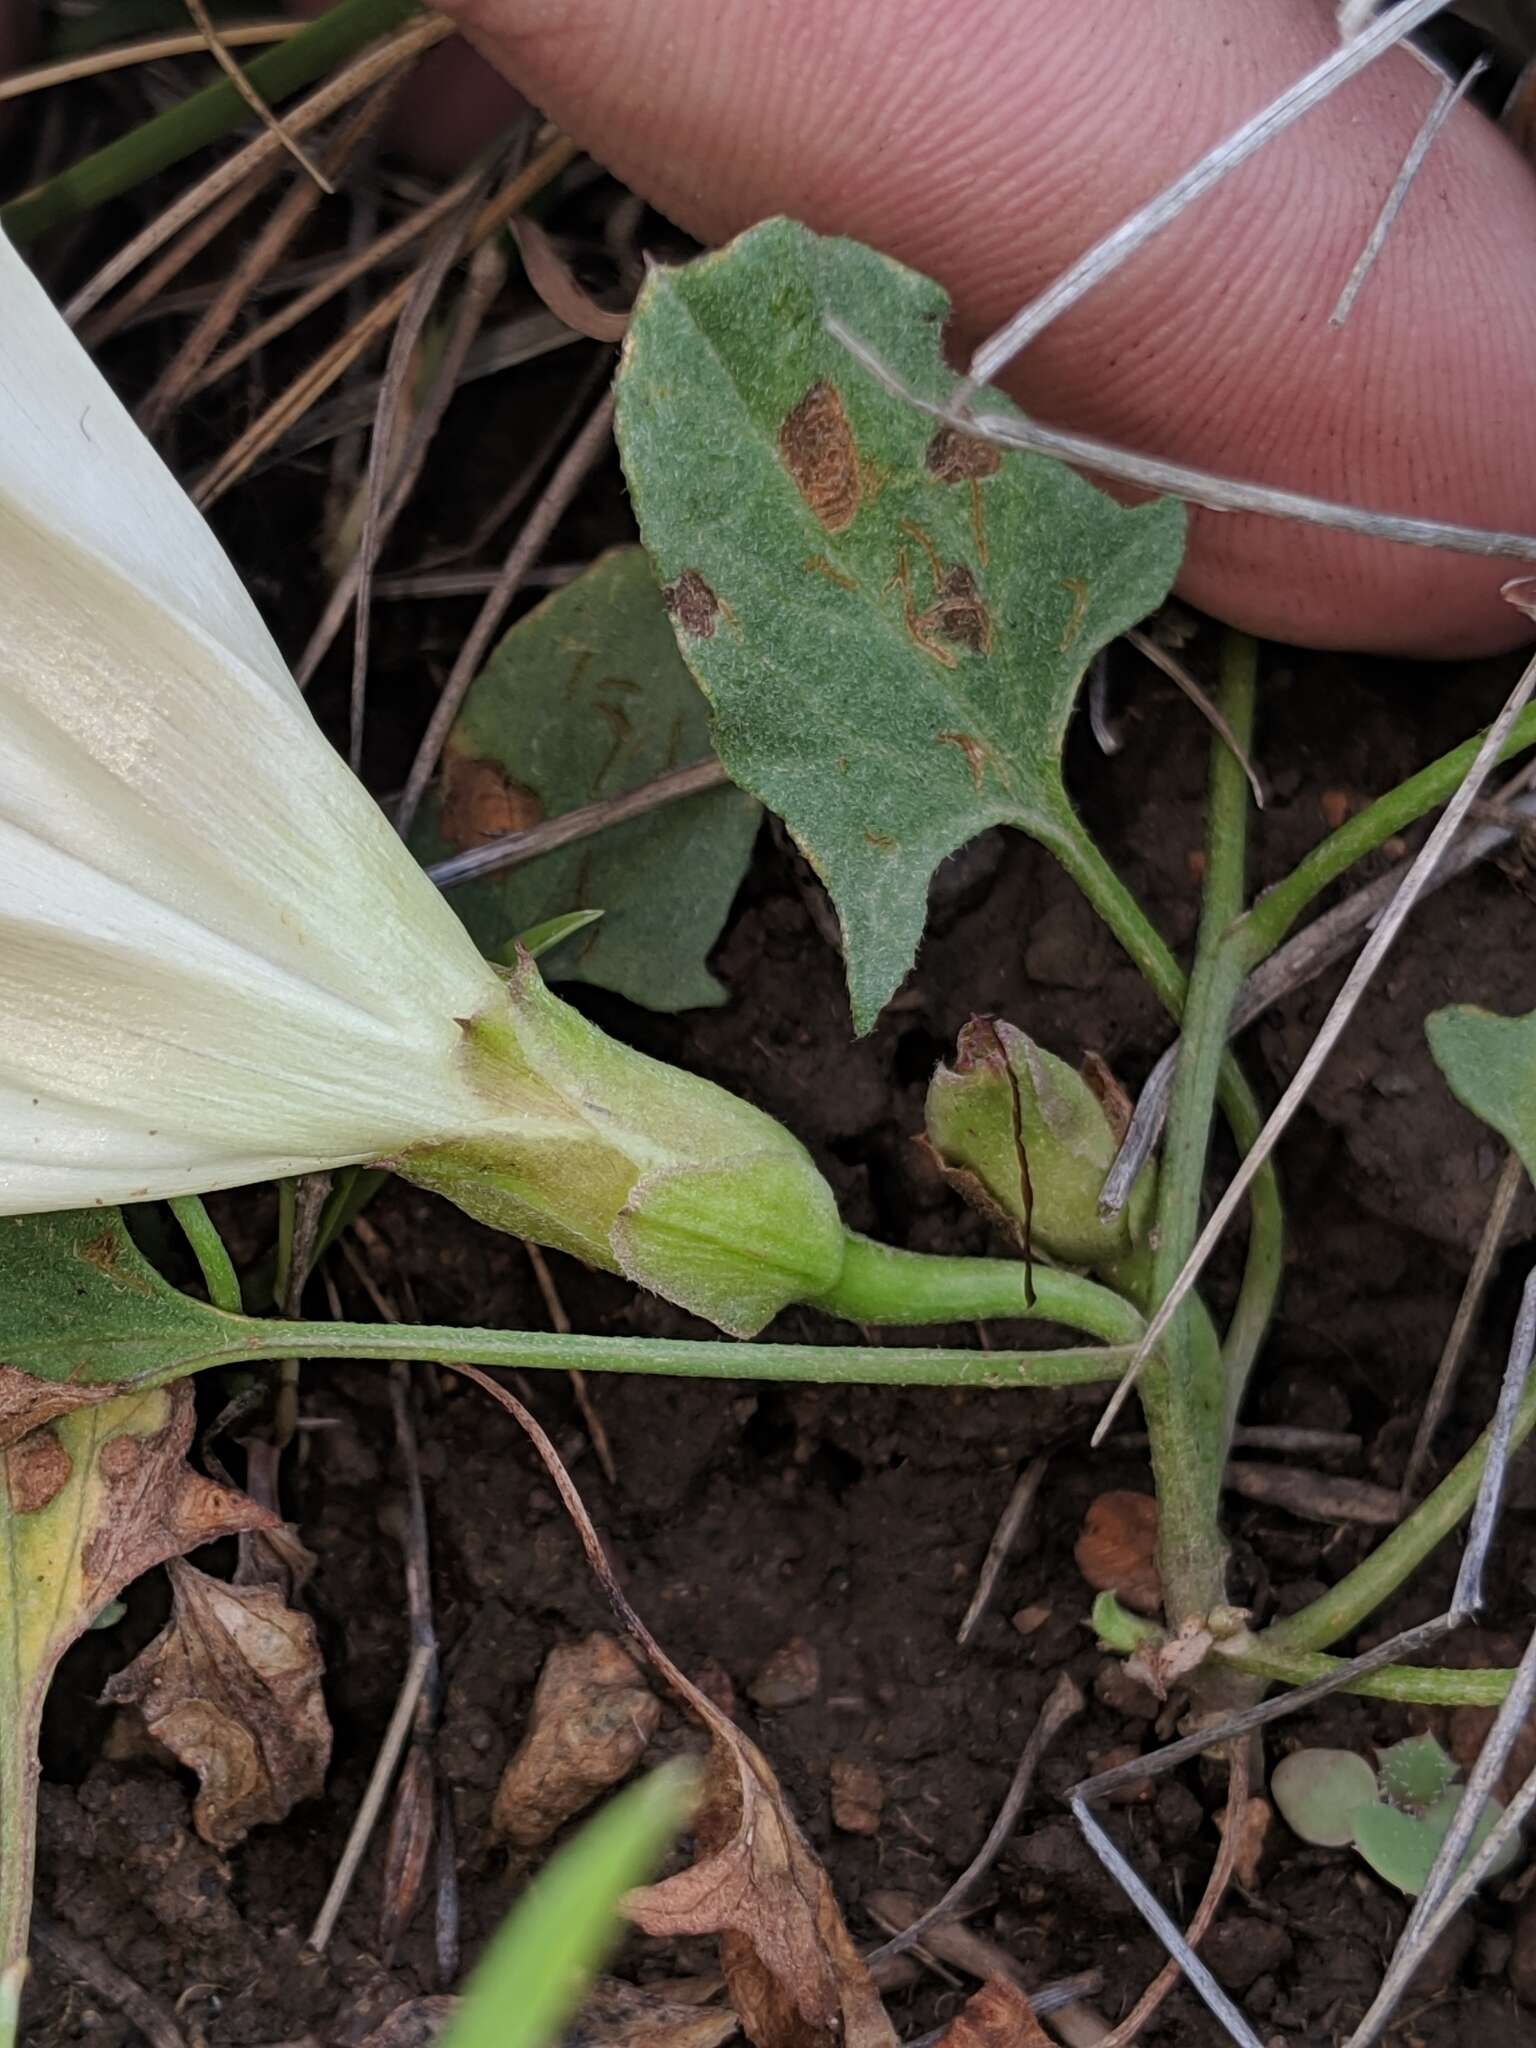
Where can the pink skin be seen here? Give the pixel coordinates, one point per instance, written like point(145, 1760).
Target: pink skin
point(989, 141)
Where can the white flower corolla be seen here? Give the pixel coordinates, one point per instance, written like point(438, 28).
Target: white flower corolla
point(218, 964)
point(217, 961)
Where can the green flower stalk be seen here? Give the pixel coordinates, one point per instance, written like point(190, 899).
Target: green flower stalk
point(218, 964)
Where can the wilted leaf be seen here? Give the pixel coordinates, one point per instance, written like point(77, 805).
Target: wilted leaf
point(618, 2015)
point(1490, 1062)
point(587, 698)
point(591, 1718)
point(1319, 1792)
point(231, 1686)
point(791, 1969)
point(80, 1305)
point(88, 1502)
point(996, 2016)
point(890, 622)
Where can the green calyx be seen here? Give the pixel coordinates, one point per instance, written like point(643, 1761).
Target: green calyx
point(634, 1166)
point(1027, 1141)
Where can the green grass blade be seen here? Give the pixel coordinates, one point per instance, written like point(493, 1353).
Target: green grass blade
point(537, 1969)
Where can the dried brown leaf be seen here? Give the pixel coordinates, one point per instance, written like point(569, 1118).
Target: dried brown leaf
point(792, 1971)
point(639, 2016)
point(996, 2016)
point(592, 1716)
point(1117, 1549)
point(231, 1686)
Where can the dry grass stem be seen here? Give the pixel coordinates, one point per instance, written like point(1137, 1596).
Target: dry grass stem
point(1468, 1309)
point(555, 282)
point(487, 272)
point(1004, 1537)
point(149, 285)
point(572, 470)
point(1198, 487)
point(513, 848)
point(338, 276)
point(1356, 982)
point(1063, 1704)
point(388, 444)
point(417, 1672)
point(1171, 666)
point(227, 62)
point(1107, 255)
point(1205, 1912)
point(86, 1964)
point(1468, 1595)
point(554, 1308)
point(334, 362)
point(247, 35)
point(375, 63)
point(277, 234)
point(1450, 96)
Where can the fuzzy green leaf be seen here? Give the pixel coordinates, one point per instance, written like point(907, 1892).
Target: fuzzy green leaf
point(890, 622)
point(1490, 1062)
point(587, 698)
point(80, 1303)
point(1414, 1772)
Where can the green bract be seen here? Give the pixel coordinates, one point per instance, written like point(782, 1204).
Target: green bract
point(592, 1147)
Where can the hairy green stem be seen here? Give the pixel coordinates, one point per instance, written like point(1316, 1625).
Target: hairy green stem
point(253, 1338)
point(203, 118)
point(1269, 921)
point(1256, 1658)
point(879, 1284)
point(1414, 1684)
point(1185, 1407)
point(1115, 904)
point(213, 1260)
point(1372, 1582)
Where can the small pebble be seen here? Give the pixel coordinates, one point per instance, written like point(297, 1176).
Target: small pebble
point(790, 1677)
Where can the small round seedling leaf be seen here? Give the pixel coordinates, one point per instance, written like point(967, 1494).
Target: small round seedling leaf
point(1413, 1774)
point(1319, 1792)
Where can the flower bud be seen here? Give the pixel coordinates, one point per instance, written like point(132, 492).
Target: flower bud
point(1025, 1139)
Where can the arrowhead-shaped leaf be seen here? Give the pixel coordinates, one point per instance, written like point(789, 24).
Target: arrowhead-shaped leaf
point(587, 698)
point(890, 621)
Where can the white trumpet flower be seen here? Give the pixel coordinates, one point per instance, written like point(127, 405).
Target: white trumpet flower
point(218, 963)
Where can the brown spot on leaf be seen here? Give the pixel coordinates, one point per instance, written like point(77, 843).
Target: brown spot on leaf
point(956, 458)
point(818, 565)
point(958, 614)
point(26, 1404)
point(481, 802)
point(976, 755)
point(36, 1470)
point(104, 1252)
point(120, 1456)
point(1080, 594)
point(692, 604)
point(817, 445)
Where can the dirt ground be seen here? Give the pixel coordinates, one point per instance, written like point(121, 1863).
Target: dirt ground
point(745, 1516)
